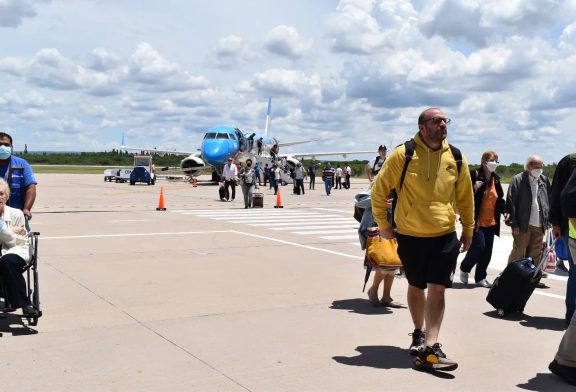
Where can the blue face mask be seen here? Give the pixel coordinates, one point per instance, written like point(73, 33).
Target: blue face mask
point(5, 152)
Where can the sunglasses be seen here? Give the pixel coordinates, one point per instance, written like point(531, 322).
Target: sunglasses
point(438, 120)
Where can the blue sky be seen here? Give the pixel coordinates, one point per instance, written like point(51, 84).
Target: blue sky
point(76, 74)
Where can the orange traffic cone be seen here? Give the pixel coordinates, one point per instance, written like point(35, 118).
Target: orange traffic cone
point(278, 200)
point(194, 183)
point(161, 201)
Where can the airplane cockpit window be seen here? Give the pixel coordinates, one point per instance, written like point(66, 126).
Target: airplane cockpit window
point(210, 135)
point(222, 135)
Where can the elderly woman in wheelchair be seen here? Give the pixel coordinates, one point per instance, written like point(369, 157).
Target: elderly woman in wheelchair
point(14, 256)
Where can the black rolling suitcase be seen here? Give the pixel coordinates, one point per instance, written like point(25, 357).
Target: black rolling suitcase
point(512, 289)
point(257, 200)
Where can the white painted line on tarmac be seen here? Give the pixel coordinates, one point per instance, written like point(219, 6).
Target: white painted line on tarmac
point(340, 237)
point(332, 209)
point(304, 231)
point(282, 217)
point(73, 237)
point(131, 220)
point(562, 297)
point(286, 222)
point(351, 226)
point(299, 245)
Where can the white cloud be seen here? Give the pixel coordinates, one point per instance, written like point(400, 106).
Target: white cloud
point(285, 41)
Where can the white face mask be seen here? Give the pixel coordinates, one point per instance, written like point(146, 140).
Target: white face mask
point(491, 166)
point(536, 172)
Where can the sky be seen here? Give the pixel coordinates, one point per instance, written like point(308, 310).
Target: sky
point(351, 74)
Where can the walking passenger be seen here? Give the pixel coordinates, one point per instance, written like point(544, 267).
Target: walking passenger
point(338, 176)
point(375, 164)
point(564, 363)
point(559, 221)
point(248, 177)
point(257, 172)
point(489, 204)
point(347, 174)
point(312, 174)
point(425, 218)
point(528, 203)
point(230, 174)
point(328, 178)
point(300, 175)
point(275, 177)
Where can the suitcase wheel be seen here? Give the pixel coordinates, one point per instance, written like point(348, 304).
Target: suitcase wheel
point(500, 312)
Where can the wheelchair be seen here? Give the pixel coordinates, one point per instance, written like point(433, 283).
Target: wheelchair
point(31, 277)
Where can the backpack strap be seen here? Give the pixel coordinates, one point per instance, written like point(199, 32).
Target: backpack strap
point(457, 156)
point(376, 160)
point(410, 146)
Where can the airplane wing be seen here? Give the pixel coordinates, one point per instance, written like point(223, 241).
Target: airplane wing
point(295, 142)
point(313, 155)
point(160, 151)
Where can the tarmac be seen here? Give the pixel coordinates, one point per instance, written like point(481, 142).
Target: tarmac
point(209, 296)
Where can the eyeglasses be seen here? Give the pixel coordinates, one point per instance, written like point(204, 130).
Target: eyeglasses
point(438, 120)
point(493, 160)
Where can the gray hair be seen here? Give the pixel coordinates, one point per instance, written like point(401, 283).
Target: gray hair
point(4, 187)
point(531, 159)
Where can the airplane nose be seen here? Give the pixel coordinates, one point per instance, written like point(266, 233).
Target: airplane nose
point(215, 152)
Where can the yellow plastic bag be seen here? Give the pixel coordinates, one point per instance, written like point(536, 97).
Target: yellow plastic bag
point(382, 252)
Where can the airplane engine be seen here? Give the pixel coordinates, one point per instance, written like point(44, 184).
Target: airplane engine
point(292, 161)
point(192, 166)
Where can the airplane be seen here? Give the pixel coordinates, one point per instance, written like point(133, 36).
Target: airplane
point(223, 141)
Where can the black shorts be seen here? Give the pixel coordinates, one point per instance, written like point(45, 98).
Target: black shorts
point(429, 259)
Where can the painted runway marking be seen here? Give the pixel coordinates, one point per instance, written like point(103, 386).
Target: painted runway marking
point(301, 222)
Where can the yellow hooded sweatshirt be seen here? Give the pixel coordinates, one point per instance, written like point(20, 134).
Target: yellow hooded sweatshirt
point(432, 192)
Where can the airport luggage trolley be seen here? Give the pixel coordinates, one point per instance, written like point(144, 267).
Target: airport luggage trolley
point(31, 278)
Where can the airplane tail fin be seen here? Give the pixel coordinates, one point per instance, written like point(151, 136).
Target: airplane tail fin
point(267, 127)
point(122, 144)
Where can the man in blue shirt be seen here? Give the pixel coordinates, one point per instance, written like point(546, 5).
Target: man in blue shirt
point(18, 174)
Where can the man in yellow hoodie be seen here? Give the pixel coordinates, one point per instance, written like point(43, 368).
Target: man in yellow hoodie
point(434, 188)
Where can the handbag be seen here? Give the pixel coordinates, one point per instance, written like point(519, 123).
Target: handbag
point(382, 252)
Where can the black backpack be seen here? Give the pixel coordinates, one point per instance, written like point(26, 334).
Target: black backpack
point(410, 146)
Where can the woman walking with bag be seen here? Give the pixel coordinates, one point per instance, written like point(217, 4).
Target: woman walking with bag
point(248, 177)
point(488, 205)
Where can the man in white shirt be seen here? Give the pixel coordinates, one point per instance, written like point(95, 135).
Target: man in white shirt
point(338, 178)
point(347, 174)
point(230, 173)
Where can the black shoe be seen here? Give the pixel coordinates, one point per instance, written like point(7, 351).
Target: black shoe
point(30, 311)
point(566, 373)
point(418, 341)
point(432, 358)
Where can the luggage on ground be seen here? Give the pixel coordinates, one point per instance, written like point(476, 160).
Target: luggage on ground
point(257, 200)
point(512, 289)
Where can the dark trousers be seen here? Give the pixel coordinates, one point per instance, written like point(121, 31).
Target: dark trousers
point(338, 183)
point(347, 181)
point(312, 181)
point(274, 183)
point(480, 252)
point(300, 184)
point(227, 184)
point(14, 284)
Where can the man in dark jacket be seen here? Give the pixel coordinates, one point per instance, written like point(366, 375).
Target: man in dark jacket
point(528, 204)
point(564, 363)
point(559, 221)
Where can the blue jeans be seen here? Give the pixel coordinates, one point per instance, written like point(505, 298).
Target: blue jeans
point(328, 185)
point(480, 253)
point(571, 285)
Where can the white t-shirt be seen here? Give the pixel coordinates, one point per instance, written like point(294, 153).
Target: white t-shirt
point(378, 165)
point(229, 172)
point(339, 172)
point(348, 170)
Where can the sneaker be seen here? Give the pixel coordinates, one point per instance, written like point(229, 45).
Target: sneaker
point(566, 373)
point(418, 342)
point(484, 283)
point(464, 277)
point(373, 297)
point(560, 266)
point(432, 358)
